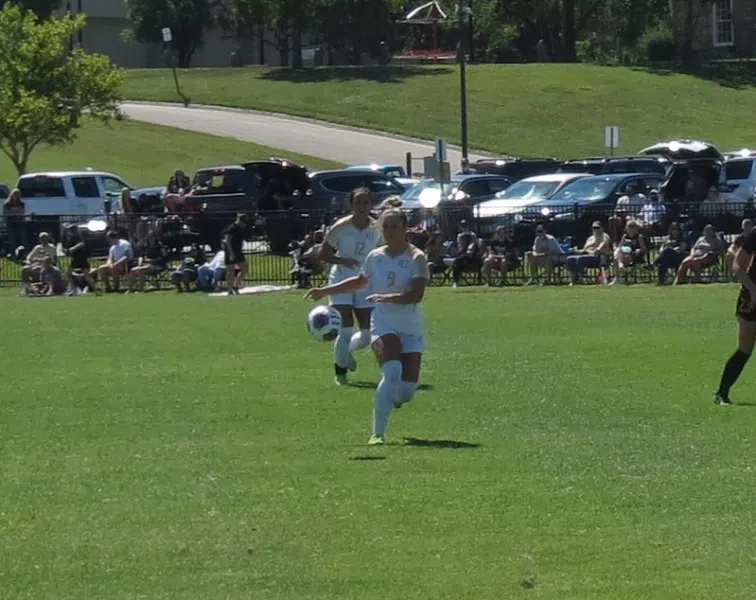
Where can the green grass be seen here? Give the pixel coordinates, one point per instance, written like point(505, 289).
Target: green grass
point(528, 110)
point(145, 154)
point(163, 446)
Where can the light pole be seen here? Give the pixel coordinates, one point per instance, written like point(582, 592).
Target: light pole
point(462, 75)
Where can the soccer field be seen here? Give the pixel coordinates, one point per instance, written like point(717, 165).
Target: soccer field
point(161, 446)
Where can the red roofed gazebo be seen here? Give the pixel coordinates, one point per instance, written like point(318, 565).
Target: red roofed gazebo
point(429, 14)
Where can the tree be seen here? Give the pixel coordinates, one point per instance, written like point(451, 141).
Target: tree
point(47, 90)
point(42, 8)
point(187, 19)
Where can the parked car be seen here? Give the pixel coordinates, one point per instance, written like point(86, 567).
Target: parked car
point(395, 172)
point(330, 190)
point(4, 191)
point(573, 208)
point(606, 165)
point(514, 200)
point(463, 190)
point(70, 192)
point(740, 174)
point(516, 168)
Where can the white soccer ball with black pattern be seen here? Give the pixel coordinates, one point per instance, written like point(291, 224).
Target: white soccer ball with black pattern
point(324, 323)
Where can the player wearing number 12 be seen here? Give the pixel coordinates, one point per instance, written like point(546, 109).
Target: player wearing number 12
point(397, 274)
point(346, 246)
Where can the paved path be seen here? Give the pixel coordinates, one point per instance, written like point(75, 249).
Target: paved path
point(315, 138)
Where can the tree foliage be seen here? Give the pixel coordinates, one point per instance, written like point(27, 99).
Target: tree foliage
point(42, 8)
point(46, 89)
point(188, 20)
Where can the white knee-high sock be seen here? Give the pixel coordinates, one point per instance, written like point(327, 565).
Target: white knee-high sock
point(341, 347)
point(360, 340)
point(407, 389)
point(385, 395)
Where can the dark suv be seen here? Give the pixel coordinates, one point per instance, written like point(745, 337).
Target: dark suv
point(330, 189)
point(608, 165)
point(516, 168)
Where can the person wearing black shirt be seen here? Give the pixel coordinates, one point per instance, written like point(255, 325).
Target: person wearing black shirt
point(79, 272)
point(501, 255)
point(153, 259)
point(233, 248)
point(744, 269)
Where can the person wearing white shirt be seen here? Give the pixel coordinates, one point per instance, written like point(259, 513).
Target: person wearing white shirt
point(397, 274)
point(653, 211)
point(346, 246)
point(119, 263)
point(209, 274)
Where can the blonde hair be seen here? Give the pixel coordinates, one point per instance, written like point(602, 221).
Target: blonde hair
point(391, 202)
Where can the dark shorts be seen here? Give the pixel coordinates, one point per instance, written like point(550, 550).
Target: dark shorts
point(238, 256)
point(743, 308)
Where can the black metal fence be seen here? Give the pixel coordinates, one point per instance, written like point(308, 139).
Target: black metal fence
point(276, 240)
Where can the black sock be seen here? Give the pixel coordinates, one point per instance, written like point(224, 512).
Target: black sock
point(732, 371)
point(340, 370)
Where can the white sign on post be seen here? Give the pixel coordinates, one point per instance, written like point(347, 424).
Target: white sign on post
point(611, 137)
point(440, 150)
point(167, 36)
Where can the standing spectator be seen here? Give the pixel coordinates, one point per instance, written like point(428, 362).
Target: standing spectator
point(501, 255)
point(119, 262)
point(672, 252)
point(233, 243)
point(627, 206)
point(14, 211)
point(705, 253)
point(546, 253)
point(178, 183)
point(746, 227)
point(596, 253)
point(465, 168)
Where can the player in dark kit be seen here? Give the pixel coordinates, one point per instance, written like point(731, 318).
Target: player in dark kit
point(744, 269)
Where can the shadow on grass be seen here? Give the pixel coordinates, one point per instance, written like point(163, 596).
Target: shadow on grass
point(377, 74)
point(735, 74)
point(370, 385)
point(368, 458)
point(441, 444)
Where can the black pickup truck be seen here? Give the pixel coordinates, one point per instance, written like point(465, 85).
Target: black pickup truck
point(252, 186)
point(266, 189)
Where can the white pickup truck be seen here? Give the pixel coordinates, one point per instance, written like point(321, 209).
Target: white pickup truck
point(71, 192)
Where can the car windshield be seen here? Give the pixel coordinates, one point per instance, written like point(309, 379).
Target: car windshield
point(584, 190)
point(414, 192)
point(528, 189)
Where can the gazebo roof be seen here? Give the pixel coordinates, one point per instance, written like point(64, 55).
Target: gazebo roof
point(427, 14)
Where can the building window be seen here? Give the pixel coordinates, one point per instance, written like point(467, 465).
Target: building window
point(724, 34)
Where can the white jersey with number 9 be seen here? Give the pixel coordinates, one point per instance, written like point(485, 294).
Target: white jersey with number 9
point(393, 275)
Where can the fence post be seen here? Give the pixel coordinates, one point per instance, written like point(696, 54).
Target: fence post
point(408, 159)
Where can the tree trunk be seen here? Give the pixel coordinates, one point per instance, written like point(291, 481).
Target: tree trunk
point(296, 46)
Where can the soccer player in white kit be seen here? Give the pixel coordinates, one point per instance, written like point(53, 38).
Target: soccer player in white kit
point(397, 274)
point(346, 246)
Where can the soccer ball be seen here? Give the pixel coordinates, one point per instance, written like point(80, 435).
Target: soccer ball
point(324, 323)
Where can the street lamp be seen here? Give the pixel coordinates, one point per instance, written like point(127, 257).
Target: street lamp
point(461, 12)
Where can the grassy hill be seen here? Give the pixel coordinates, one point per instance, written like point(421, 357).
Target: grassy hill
point(144, 154)
point(519, 109)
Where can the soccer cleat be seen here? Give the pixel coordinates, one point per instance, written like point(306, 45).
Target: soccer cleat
point(352, 364)
point(341, 380)
point(721, 400)
point(376, 440)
